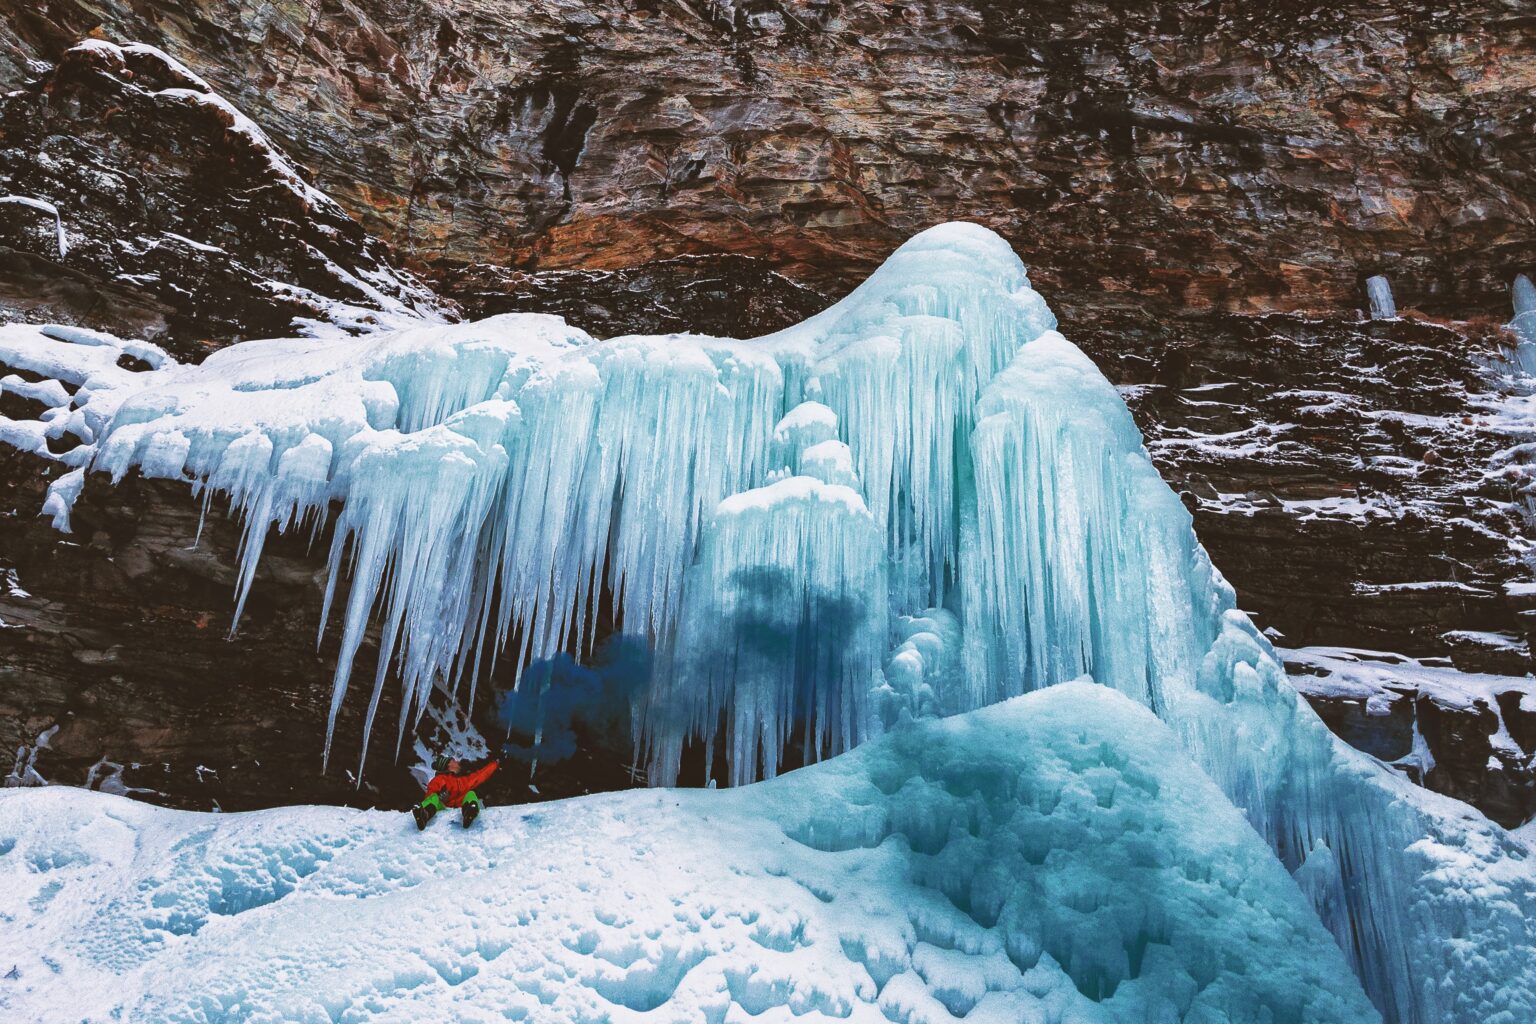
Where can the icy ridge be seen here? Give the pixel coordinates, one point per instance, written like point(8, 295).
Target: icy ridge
point(1051, 859)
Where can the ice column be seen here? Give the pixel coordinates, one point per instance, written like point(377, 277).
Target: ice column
point(902, 361)
point(1379, 290)
point(1523, 292)
point(1076, 566)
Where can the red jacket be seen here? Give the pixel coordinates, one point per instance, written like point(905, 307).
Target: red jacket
point(453, 787)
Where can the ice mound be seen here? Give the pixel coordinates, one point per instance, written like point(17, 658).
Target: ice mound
point(1051, 859)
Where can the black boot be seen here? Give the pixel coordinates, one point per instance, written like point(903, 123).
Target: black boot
point(423, 814)
point(471, 812)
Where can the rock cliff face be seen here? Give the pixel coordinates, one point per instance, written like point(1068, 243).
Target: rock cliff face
point(1351, 478)
point(1200, 190)
point(1210, 155)
point(117, 668)
point(1468, 735)
point(142, 201)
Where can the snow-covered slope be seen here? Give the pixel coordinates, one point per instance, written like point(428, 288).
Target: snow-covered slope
point(920, 502)
point(1048, 859)
point(165, 207)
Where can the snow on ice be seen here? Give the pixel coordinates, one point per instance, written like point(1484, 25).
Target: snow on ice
point(922, 501)
point(1050, 859)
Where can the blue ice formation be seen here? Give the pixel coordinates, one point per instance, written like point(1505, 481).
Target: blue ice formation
point(920, 502)
point(1523, 296)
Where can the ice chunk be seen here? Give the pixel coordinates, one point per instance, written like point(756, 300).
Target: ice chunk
point(163, 454)
point(807, 424)
point(830, 462)
point(923, 677)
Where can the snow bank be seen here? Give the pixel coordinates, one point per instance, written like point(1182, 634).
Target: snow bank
point(1049, 859)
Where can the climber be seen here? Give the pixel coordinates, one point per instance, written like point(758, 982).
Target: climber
point(448, 788)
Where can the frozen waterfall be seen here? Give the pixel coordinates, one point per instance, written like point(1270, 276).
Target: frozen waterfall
point(921, 501)
point(1523, 295)
point(1379, 291)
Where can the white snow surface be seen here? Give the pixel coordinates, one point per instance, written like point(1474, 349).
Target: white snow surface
point(995, 528)
point(1050, 859)
point(1345, 672)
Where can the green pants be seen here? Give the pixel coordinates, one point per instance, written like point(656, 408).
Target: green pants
point(435, 801)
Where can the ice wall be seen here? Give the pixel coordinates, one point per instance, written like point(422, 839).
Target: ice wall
point(1086, 562)
point(919, 502)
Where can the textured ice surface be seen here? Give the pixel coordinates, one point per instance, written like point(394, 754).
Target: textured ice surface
point(919, 502)
point(1051, 859)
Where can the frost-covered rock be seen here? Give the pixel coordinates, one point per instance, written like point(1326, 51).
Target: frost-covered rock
point(1049, 859)
point(1465, 734)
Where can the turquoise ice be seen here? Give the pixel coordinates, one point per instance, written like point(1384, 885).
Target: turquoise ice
point(1049, 859)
